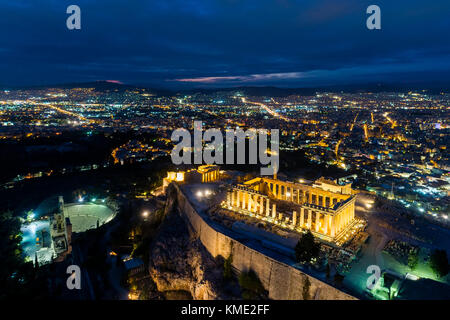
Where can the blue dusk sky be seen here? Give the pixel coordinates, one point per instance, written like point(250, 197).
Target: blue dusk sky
point(222, 43)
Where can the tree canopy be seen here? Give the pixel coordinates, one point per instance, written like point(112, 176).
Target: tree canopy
point(439, 262)
point(307, 248)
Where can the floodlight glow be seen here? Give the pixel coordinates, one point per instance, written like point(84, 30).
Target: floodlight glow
point(31, 215)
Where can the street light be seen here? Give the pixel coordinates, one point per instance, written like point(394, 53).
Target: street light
point(145, 214)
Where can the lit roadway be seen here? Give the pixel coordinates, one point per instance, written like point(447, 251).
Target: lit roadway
point(69, 113)
point(268, 109)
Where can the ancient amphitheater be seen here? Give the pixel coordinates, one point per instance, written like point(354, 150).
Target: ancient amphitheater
point(86, 216)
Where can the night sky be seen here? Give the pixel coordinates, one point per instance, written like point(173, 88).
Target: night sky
point(219, 43)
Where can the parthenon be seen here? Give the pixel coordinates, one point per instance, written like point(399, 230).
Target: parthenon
point(324, 207)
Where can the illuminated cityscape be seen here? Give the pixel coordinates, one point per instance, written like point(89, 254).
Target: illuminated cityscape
point(108, 190)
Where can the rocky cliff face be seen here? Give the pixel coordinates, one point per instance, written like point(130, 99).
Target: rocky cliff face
point(179, 261)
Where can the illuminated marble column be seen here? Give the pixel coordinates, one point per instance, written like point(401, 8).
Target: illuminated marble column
point(332, 223)
point(298, 195)
point(302, 217)
point(243, 199)
point(233, 202)
point(326, 220)
point(237, 198)
point(344, 218)
point(261, 205)
point(309, 219)
point(250, 200)
point(294, 219)
point(317, 221)
point(267, 207)
point(346, 215)
point(309, 197)
point(353, 210)
point(339, 222)
point(274, 211)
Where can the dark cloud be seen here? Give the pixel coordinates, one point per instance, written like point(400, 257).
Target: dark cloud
point(180, 43)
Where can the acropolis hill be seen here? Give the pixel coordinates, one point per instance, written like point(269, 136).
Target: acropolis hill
point(217, 207)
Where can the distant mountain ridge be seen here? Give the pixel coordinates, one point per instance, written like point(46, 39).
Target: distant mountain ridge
point(270, 91)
